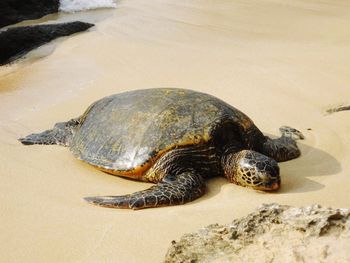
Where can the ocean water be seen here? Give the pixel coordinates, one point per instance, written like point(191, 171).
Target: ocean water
point(70, 6)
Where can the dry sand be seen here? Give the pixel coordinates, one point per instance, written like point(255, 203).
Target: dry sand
point(280, 62)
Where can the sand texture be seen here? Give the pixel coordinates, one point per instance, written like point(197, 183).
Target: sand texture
point(272, 233)
point(280, 62)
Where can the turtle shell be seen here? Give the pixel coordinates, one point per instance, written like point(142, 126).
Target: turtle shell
point(126, 133)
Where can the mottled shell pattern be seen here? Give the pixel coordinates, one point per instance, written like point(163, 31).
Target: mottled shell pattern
point(126, 133)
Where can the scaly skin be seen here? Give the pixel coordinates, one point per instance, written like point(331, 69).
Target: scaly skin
point(171, 190)
point(252, 169)
point(61, 134)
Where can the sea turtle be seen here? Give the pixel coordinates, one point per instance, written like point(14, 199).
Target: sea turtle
point(175, 138)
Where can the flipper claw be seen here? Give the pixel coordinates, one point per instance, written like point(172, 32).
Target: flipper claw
point(290, 132)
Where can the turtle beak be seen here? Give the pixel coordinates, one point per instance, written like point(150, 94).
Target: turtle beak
point(269, 187)
point(275, 186)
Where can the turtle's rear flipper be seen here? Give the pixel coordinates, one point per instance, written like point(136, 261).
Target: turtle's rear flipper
point(172, 190)
point(60, 134)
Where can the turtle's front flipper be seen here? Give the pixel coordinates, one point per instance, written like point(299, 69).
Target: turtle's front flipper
point(60, 134)
point(172, 190)
point(284, 148)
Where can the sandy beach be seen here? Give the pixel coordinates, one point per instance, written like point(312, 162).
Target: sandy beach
point(280, 62)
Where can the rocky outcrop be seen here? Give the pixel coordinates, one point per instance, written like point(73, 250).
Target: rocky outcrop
point(17, 41)
point(14, 11)
point(273, 233)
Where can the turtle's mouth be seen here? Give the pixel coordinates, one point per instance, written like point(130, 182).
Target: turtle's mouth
point(271, 186)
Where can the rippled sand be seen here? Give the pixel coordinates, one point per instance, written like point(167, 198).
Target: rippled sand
point(281, 62)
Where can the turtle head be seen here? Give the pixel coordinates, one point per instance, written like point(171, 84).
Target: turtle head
point(252, 169)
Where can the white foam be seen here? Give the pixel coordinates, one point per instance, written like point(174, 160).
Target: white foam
point(79, 5)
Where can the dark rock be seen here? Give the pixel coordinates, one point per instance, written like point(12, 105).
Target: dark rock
point(17, 41)
point(14, 11)
point(337, 109)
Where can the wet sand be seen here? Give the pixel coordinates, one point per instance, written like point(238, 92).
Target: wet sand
point(280, 62)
